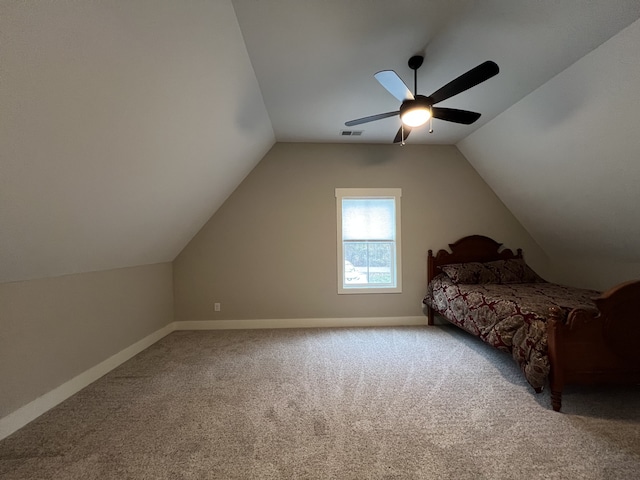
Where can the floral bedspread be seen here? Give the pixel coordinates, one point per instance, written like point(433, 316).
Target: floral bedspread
point(511, 317)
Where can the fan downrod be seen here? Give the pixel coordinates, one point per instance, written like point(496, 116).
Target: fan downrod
point(414, 64)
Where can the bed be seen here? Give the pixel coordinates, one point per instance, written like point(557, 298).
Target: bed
point(558, 335)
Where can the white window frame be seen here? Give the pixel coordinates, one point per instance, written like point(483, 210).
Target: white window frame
point(396, 194)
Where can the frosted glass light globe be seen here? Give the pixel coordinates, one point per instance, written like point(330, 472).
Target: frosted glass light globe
point(416, 116)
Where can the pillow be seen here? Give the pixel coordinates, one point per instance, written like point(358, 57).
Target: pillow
point(500, 271)
point(514, 270)
point(471, 273)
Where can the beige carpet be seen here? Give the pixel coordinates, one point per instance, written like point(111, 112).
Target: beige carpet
point(355, 403)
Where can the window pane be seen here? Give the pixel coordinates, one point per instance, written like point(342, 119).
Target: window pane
point(368, 218)
point(369, 263)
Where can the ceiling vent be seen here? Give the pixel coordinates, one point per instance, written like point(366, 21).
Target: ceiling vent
point(351, 133)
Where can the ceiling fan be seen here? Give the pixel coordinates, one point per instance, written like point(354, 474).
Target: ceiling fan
point(416, 110)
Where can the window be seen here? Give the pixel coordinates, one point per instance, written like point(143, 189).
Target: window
point(369, 240)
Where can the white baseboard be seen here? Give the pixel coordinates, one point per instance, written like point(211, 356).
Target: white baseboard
point(32, 410)
point(299, 323)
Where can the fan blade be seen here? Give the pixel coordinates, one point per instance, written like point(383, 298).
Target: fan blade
point(473, 77)
point(372, 118)
point(394, 85)
point(399, 135)
point(454, 115)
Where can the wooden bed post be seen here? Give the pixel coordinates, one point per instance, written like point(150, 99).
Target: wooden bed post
point(555, 342)
point(430, 275)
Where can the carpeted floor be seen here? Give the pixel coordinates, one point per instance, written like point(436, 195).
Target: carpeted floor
point(353, 403)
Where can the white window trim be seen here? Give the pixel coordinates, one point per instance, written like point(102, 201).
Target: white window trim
point(395, 193)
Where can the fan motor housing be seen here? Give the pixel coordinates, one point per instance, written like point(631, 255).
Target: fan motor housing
point(419, 101)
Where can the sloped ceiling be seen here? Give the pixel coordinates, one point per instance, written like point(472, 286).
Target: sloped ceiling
point(566, 159)
point(124, 125)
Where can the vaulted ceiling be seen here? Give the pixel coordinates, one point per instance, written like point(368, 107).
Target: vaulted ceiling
point(125, 125)
point(566, 158)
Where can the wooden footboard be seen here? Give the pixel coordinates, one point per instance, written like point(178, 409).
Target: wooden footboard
point(587, 347)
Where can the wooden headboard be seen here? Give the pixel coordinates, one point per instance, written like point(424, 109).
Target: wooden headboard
point(474, 248)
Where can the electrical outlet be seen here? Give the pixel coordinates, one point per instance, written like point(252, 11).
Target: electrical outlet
point(216, 307)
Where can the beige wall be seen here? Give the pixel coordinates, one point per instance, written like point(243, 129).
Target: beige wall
point(270, 251)
point(56, 328)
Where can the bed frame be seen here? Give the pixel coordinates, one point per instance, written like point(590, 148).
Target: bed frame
point(584, 347)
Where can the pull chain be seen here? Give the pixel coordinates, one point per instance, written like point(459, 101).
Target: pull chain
point(430, 120)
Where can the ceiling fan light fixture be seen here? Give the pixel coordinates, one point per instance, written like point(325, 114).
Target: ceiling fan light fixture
point(415, 113)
